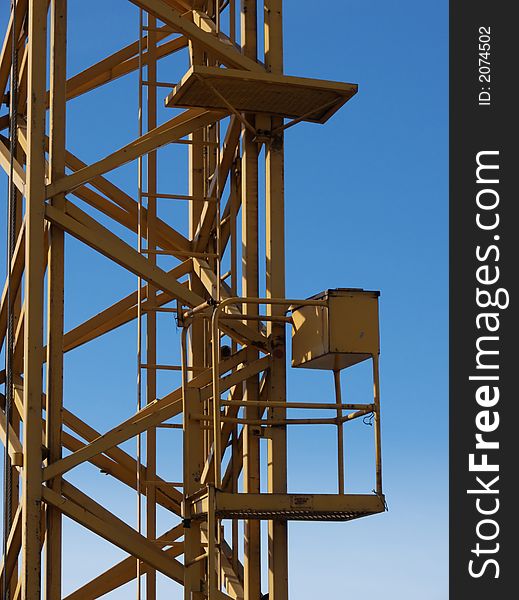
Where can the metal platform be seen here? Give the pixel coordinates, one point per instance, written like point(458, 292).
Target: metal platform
point(290, 507)
point(214, 88)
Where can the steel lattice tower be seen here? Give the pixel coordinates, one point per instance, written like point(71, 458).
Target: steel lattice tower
point(236, 106)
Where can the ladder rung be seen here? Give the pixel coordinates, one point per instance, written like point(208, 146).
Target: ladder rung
point(158, 84)
point(180, 253)
point(158, 482)
point(196, 254)
point(174, 543)
point(169, 367)
point(161, 367)
point(179, 197)
point(195, 143)
point(161, 252)
point(159, 29)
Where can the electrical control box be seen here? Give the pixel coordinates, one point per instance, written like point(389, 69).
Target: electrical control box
point(339, 334)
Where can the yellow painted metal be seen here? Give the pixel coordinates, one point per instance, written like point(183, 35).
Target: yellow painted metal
point(34, 289)
point(55, 291)
point(314, 100)
point(292, 507)
point(342, 333)
point(233, 395)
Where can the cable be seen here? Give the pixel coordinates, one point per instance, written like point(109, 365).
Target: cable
point(368, 419)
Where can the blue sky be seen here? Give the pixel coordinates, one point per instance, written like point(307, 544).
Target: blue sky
point(366, 198)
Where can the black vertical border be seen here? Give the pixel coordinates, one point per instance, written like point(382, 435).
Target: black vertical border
point(474, 129)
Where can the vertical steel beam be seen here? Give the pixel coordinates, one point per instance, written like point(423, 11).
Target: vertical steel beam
point(275, 287)
point(378, 437)
point(55, 290)
point(250, 288)
point(194, 447)
point(151, 293)
point(33, 297)
point(141, 291)
point(340, 432)
point(16, 417)
point(236, 461)
point(15, 220)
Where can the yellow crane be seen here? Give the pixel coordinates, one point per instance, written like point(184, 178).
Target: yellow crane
point(229, 112)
